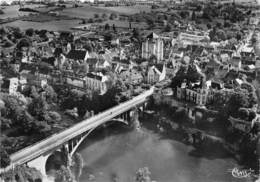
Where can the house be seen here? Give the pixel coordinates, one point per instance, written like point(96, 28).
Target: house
point(181, 91)
point(10, 85)
point(15, 65)
point(153, 46)
point(235, 63)
point(96, 63)
point(92, 64)
point(125, 64)
point(51, 61)
point(248, 55)
point(197, 96)
point(131, 76)
point(103, 64)
point(96, 82)
point(177, 54)
point(77, 55)
point(156, 73)
point(195, 93)
point(77, 82)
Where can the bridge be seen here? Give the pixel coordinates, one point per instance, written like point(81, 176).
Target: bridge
point(69, 140)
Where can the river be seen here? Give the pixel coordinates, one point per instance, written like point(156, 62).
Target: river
point(118, 152)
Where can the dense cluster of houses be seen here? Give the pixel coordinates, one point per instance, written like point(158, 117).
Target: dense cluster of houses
point(84, 60)
point(61, 62)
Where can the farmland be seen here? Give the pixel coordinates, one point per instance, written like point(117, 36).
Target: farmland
point(127, 9)
point(70, 17)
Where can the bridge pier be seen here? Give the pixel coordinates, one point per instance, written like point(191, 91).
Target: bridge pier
point(40, 164)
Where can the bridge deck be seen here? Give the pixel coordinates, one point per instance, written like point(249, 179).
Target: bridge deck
point(31, 152)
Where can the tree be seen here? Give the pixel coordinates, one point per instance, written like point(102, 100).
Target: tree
point(193, 16)
point(239, 36)
point(13, 109)
point(104, 15)
point(209, 26)
point(96, 16)
point(50, 94)
point(219, 25)
point(236, 101)
point(113, 16)
point(108, 37)
point(4, 157)
point(192, 74)
point(42, 33)
point(5, 123)
point(179, 77)
point(243, 113)
point(114, 28)
point(23, 43)
point(83, 21)
point(38, 107)
point(17, 33)
point(184, 14)
point(107, 27)
point(42, 128)
point(253, 40)
point(168, 28)
point(251, 115)
point(219, 100)
point(63, 175)
point(54, 116)
point(227, 24)
point(136, 33)
point(221, 35)
point(29, 32)
point(90, 20)
point(150, 21)
point(143, 175)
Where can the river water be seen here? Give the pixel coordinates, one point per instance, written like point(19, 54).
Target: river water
point(118, 152)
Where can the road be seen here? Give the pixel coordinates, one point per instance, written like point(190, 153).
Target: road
point(31, 152)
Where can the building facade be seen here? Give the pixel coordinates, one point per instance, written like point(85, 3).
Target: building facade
point(153, 46)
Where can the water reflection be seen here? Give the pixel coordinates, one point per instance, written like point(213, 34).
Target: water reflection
point(115, 153)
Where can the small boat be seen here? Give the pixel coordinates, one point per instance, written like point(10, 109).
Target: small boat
point(149, 112)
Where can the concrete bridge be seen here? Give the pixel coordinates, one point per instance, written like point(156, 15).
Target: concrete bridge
point(67, 141)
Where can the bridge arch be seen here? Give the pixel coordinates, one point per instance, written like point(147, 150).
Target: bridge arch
point(84, 136)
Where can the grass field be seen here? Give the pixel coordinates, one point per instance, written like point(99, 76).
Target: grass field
point(127, 9)
point(84, 12)
point(63, 25)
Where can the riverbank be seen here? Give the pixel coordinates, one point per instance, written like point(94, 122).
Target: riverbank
point(117, 151)
point(173, 119)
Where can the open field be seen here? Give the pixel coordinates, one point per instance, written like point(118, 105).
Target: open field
point(13, 11)
point(63, 25)
point(84, 12)
point(63, 21)
point(127, 9)
point(125, 24)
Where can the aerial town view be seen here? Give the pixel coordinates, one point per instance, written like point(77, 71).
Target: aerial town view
point(130, 90)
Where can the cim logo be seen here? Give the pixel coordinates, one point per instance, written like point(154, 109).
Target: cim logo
point(242, 173)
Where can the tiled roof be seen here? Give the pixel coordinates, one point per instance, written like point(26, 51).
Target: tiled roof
point(159, 67)
point(76, 54)
point(94, 76)
point(152, 36)
point(57, 51)
point(92, 61)
point(49, 60)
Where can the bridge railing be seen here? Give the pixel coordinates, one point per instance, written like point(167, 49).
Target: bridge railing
point(44, 145)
